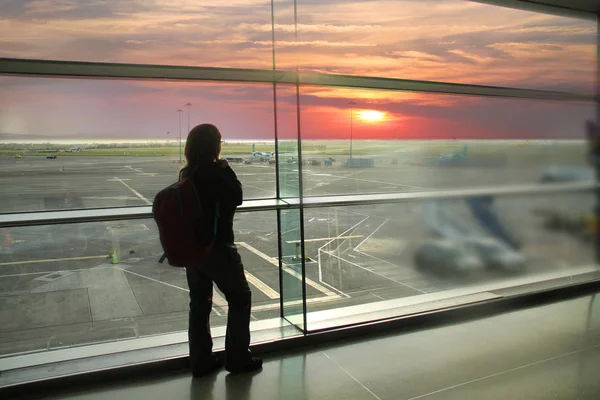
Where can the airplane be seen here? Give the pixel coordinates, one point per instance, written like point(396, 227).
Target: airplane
point(263, 154)
point(467, 241)
point(454, 157)
point(557, 173)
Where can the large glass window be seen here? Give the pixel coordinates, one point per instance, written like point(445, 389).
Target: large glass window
point(199, 33)
point(328, 246)
point(71, 143)
point(376, 141)
point(76, 284)
point(450, 41)
point(404, 255)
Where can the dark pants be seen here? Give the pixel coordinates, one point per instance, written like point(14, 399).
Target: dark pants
point(224, 267)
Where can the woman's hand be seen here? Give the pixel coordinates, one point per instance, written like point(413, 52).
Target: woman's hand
point(223, 163)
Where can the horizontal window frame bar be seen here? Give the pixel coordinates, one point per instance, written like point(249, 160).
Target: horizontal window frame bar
point(36, 218)
point(450, 194)
point(97, 70)
point(539, 6)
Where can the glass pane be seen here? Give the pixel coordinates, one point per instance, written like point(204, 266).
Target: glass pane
point(290, 221)
point(236, 34)
point(417, 141)
point(116, 143)
point(292, 272)
point(67, 285)
point(450, 41)
point(418, 256)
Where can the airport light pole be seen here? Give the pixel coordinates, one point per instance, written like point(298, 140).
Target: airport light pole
point(179, 111)
point(188, 105)
point(352, 104)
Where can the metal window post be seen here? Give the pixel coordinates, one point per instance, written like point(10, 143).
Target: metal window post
point(179, 111)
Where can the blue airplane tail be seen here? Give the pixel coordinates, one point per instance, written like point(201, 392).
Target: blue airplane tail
point(481, 209)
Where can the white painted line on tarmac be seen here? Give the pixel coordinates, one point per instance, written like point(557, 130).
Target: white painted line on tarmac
point(336, 179)
point(372, 233)
point(326, 238)
point(152, 279)
point(260, 285)
point(138, 194)
point(328, 243)
point(388, 183)
point(259, 188)
point(219, 300)
point(141, 172)
point(310, 282)
point(109, 198)
point(373, 272)
point(381, 260)
point(164, 283)
point(287, 269)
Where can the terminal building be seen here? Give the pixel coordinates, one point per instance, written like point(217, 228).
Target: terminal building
point(420, 197)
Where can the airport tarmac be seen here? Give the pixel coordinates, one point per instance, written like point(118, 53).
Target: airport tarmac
point(58, 287)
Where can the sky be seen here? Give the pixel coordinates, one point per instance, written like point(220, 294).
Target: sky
point(437, 40)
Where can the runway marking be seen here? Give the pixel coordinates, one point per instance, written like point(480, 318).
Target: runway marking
point(376, 273)
point(141, 172)
point(52, 260)
point(336, 179)
point(138, 194)
point(164, 283)
point(331, 241)
point(108, 198)
point(219, 300)
point(287, 269)
point(388, 183)
point(291, 230)
point(259, 188)
point(327, 238)
point(372, 233)
point(260, 285)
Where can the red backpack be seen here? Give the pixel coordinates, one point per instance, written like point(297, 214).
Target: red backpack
point(183, 227)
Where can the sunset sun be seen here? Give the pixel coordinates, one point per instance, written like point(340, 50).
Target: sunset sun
point(371, 115)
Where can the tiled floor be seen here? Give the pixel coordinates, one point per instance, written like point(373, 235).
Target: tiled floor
point(548, 352)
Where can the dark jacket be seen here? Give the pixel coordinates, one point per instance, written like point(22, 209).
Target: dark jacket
point(219, 185)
